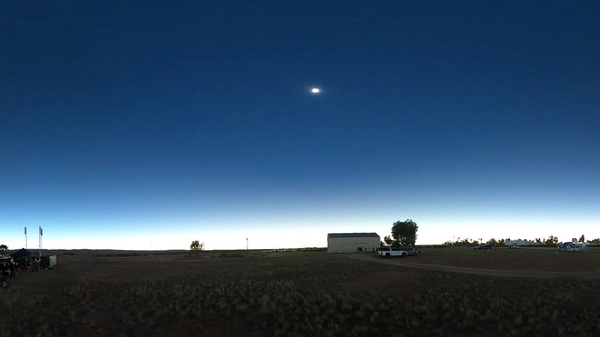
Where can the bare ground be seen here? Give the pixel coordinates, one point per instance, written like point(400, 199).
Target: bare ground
point(585, 265)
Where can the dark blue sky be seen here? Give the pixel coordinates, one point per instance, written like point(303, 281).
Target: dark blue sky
point(162, 122)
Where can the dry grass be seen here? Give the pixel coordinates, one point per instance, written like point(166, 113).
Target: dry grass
point(296, 294)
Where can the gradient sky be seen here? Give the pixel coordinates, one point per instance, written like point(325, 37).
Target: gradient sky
point(149, 124)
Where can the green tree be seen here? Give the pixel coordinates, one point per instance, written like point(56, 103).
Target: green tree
point(196, 245)
point(405, 232)
point(388, 240)
point(551, 241)
point(3, 248)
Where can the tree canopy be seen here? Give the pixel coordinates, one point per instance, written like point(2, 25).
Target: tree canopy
point(196, 245)
point(405, 232)
point(3, 248)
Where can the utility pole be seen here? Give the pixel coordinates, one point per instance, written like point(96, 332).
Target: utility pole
point(41, 234)
point(246, 243)
point(25, 237)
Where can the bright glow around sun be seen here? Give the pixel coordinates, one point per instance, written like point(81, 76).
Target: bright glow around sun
point(315, 90)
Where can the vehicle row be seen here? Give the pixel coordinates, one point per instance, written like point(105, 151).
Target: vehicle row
point(389, 251)
point(569, 247)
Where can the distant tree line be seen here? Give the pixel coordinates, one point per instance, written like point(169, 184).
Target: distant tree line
point(551, 241)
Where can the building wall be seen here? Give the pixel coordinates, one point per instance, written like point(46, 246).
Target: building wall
point(352, 244)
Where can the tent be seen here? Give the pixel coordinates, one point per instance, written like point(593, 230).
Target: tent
point(24, 253)
point(33, 260)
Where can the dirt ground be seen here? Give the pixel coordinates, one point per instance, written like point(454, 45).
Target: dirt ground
point(122, 269)
point(532, 262)
point(310, 272)
point(525, 262)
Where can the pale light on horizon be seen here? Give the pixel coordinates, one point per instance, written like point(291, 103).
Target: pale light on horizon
point(297, 236)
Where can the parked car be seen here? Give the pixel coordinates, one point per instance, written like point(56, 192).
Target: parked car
point(389, 252)
point(411, 251)
point(569, 247)
point(483, 247)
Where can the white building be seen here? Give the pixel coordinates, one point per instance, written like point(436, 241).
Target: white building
point(352, 242)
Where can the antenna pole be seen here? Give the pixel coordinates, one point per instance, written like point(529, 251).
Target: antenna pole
point(41, 234)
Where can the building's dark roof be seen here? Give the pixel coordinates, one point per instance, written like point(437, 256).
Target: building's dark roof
point(352, 235)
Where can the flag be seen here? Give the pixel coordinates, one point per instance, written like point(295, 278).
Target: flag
point(41, 231)
point(25, 230)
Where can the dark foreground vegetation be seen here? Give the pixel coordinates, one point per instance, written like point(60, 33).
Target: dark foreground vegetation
point(289, 294)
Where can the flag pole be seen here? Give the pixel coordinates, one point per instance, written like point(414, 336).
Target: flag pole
point(41, 234)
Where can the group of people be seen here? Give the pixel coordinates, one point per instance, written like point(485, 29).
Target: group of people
point(8, 268)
